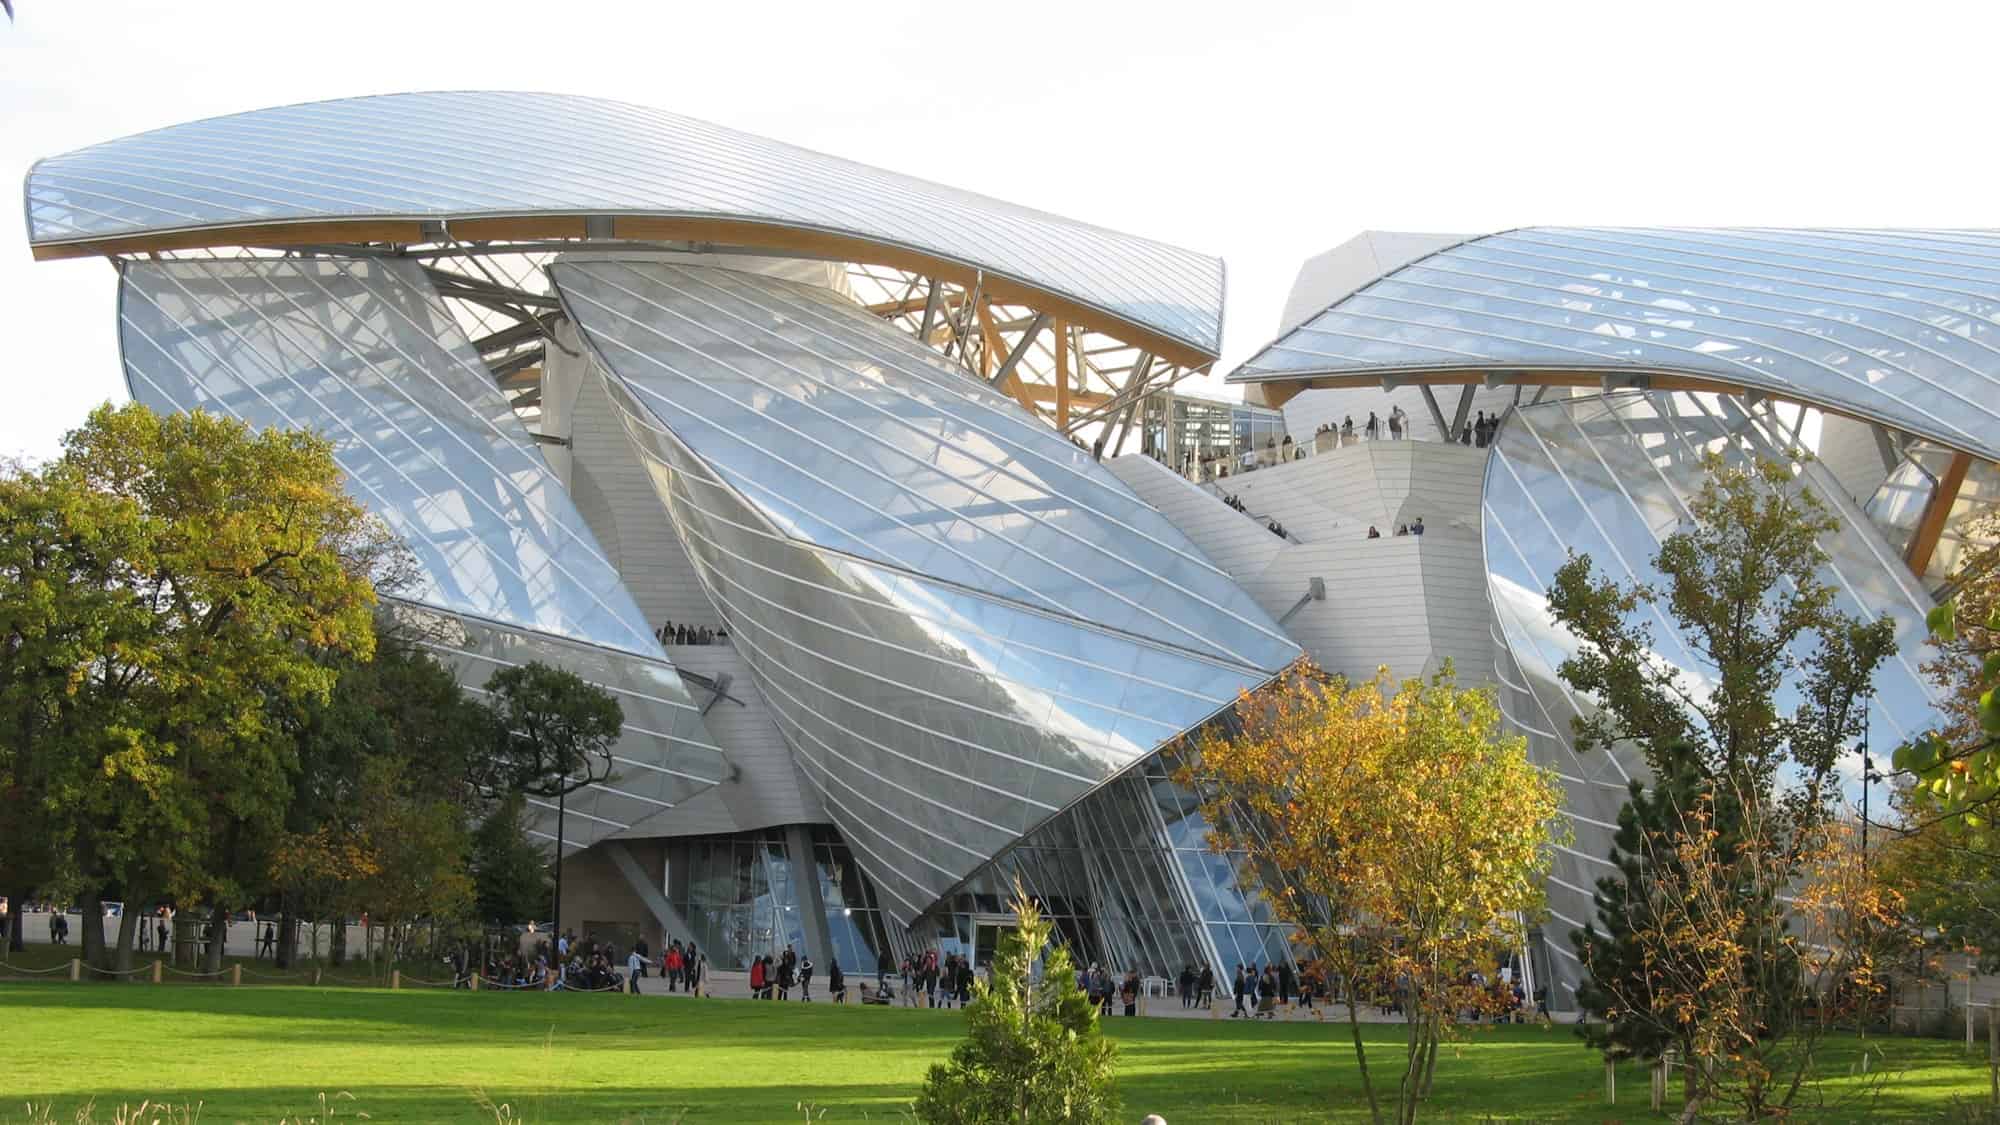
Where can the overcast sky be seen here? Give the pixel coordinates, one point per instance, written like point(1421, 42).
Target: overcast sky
point(1263, 133)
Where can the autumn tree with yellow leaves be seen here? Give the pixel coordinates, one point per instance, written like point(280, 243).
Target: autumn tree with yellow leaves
point(1394, 825)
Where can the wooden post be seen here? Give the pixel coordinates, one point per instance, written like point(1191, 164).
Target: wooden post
point(236, 974)
point(1659, 1084)
point(156, 970)
point(315, 976)
point(75, 968)
point(1610, 1082)
point(395, 978)
point(475, 980)
point(1968, 1008)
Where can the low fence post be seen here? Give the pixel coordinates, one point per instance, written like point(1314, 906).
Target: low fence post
point(315, 976)
point(1610, 1082)
point(75, 968)
point(395, 978)
point(156, 970)
point(475, 981)
point(1659, 1083)
point(236, 974)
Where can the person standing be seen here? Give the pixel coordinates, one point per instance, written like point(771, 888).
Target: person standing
point(1204, 988)
point(806, 979)
point(1374, 426)
point(635, 967)
point(1239, 986)
point(268, 944)
point(1128, 992)
point(836, 984)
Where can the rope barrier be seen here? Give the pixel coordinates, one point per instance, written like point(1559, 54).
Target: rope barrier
point(62, 968)
point(185, 973)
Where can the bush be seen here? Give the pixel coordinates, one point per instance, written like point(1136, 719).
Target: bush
point(1032, 1051)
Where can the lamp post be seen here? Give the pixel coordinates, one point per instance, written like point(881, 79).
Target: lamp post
point(1868, 779)
point(562, 795)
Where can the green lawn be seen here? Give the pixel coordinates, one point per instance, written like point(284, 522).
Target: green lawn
point(257, 1054)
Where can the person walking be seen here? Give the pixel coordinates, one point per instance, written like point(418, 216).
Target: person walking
point(1240, 987)
point(806, 979)
point(1204, 988)
point(635, 967)
point(836, 984)
point(268, 944)
point(1374, 426)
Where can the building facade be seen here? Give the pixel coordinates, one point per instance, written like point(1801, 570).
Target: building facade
point(823, 471)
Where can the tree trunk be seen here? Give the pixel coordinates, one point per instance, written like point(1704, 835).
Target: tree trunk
point(129, 921)
point(1435, 1034)
point(337, 953)
point(1361, 1054)
point(17, 904)
point(288, 937)
point(93, 929)
point(218, 938)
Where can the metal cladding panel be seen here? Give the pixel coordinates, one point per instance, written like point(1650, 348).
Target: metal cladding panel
point(852, 436)
point(938, 722)
point(363, 352)
point(1611, 476)
point(470, 154)
point(1901, 327)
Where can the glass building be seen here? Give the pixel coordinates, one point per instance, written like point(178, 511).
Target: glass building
point(831, 475)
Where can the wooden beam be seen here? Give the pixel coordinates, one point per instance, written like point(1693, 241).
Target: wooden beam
point(995, 346)
point(1924, 543)
point(914, 305)
point(259, 234)
point(1063, 341)
point(724, 232)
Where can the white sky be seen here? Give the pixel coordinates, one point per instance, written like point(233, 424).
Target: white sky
point(1260, 132)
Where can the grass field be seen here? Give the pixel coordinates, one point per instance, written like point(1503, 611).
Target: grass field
point(259, 1054)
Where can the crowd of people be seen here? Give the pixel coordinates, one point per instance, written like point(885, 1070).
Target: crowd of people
point(589, 965)
point(1397, 425)
point(684, 634)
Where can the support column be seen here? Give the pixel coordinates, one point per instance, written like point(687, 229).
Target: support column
point(648, 891)
point(1924, 543)
point(1437, 414)
point(805, 880)
point(1464, 412)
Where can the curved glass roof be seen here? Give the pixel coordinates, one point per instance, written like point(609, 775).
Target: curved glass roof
point(1900, 327)
point(467, 155)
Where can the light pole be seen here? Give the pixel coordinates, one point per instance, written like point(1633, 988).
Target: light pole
point(1868, 779)
point(562, 795)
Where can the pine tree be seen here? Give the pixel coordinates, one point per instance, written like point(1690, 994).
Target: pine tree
point(1033, 1051)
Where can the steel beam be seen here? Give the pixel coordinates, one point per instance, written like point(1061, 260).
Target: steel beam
point(1013, 359)
point(1437, 414)
point(1464, 412)
point(656, 901)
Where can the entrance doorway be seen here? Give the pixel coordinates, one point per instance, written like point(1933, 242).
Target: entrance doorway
point(986, 934)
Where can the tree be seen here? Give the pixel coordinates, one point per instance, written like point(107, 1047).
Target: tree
point(237, 563)
point(1402, 835)
point(419, 842)
point(555, 732)
point(1743, 792)
point(1033, 1051)
point(510, 872)
point(402, 708)
point(1948, 779)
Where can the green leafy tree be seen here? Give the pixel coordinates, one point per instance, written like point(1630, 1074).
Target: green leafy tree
point(510, 871)
point(1033, 1051)
point(240, 564)
point(402, 707)
point(420, 844)
point(554, 732)
point(1746, 787)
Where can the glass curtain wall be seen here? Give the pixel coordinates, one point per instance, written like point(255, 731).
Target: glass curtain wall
point(741, 895)
point(1129, 881)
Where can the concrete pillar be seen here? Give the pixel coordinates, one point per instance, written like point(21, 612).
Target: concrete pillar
point(805, 882)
